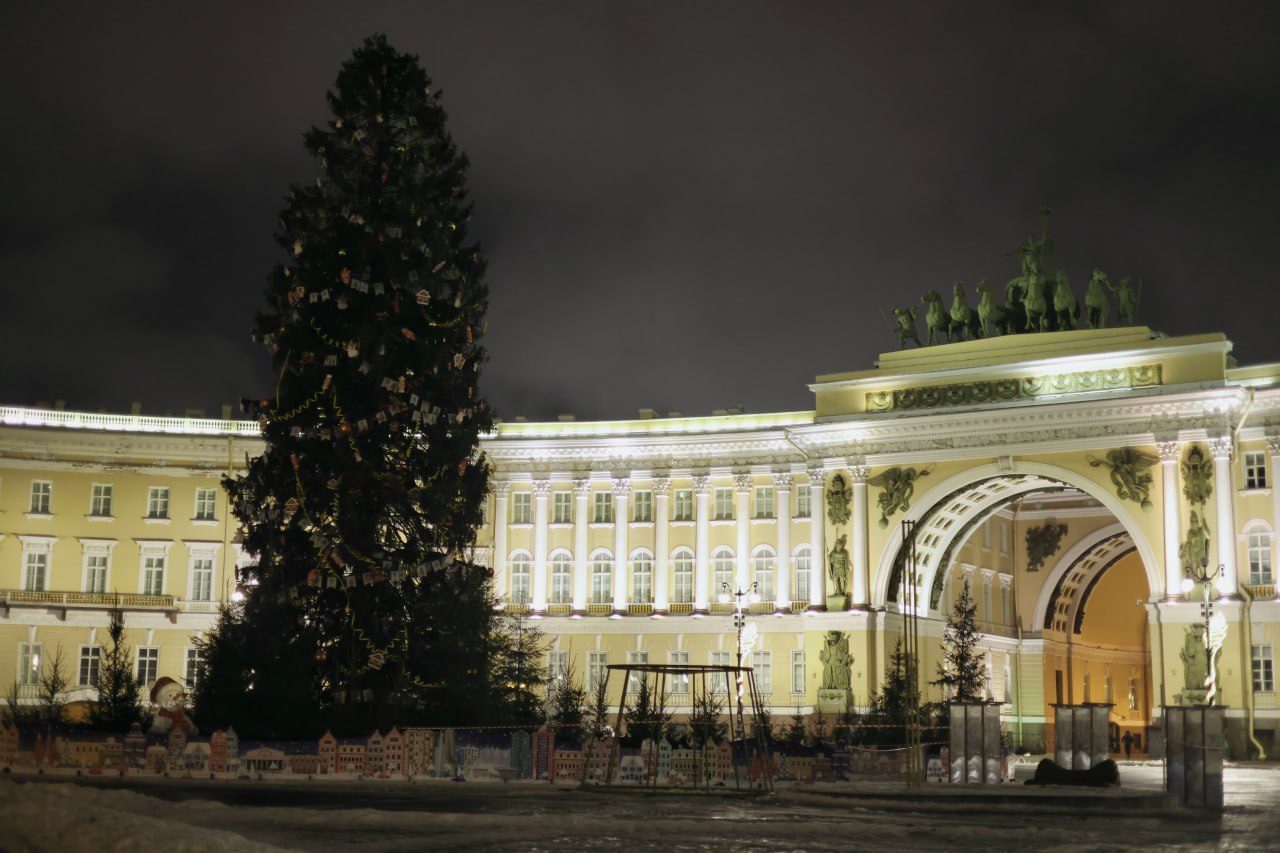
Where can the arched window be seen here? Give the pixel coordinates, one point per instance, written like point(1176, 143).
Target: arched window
point(800, 577)
point(1258, 553)
point(521, 564)
point(602, 577)
point(561, 576)
point(682, 576)
point(641, 577)
point(762, 560)
point(722, 570)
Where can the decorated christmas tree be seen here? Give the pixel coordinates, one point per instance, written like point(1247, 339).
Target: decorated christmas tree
point(361, 511)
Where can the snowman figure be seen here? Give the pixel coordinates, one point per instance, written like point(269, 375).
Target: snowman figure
point(168, 697)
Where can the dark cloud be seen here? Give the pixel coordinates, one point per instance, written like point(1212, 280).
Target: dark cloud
point(684, 206)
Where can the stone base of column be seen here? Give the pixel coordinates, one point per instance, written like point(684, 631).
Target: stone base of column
point(577, 614)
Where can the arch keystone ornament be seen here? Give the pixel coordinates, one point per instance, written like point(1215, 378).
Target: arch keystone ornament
point(1129, 474)
point(898, 485)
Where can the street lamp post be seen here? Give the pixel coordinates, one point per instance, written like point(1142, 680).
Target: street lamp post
point(1206, 579)
point(739, 623)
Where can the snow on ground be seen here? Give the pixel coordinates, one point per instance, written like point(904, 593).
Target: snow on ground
point(41, 814)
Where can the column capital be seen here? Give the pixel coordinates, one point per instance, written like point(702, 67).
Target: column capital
point(702, 483)
point(662, 486)
point(542, 486)
point(502, 488)
point(817, 476)
point(859, 471)
point(1273, 445)
point(1221, 447)
point(621, 487)
point(582, 485)
point(1169, 450)
point(782, 480)
point(742, 481)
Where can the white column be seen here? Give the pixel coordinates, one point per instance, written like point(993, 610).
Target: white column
point(1169, 453)
point(782, 569)
point(621, 492)
point(742, 522)
point(818, 541)
point(581, 493)
point(702, 544)
point(1273, 447)
point(858, 473)
point(1226, 495)
point(661, 529)
point(501, 491)
point(541, 495)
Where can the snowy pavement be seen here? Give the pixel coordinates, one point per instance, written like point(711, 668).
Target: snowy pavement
point(88, 814)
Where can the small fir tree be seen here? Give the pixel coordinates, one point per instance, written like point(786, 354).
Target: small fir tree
point(364, 504)
point(891, 708)
point(567, 708)
point(51, 692)
point(118, 706)
point(962, 673)
point(707, 725)
point(518, 675)
point(796, 732)
point(646, 717)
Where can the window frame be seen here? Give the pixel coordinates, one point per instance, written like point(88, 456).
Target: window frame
point(32, 653)
point(642, 506)
point(1262, 668)
point(206, 499)
point(682, 592)
point(158, 500)
point(764, 503)
point(100, 500)
point(1254, 468)
point(723, 504)
point(562, 507)
point(520, 566)
point(41, 498)
point(521, 507)
point(602, 507)
point(151, 659)
point(797, 672)
point(560, 573)
point(90, 668)
point(641, 576)
point(682, 505)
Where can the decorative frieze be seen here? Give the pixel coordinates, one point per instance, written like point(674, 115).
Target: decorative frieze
point(1002, 390)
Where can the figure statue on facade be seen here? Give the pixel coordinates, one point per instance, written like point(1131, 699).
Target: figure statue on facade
point(905, 319)
point(990, 315)
point(1126, 301)
point(1129, 474)
point(963, 323)
point(935, 318)
point(1097, 304)
point(838, 563)
point(1194, 552)
point(839, 499)
point(1065, 306)
point(836, 661)
point(898, 485)
point(1197, 476)
point(1195, 663)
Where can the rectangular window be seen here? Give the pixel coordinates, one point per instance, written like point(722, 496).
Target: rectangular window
point(41, 496)
point(1255, 469)
point(29, 655)
point(206, 504)
point(153, 575)
point(90, 661)
point(100, 502)
point(557, 666)
point(95, 569)
point(719, 681)
point(800, 581)
point(762, 667)
point(520, 505)
point(764, 502)
point(682, 508)
point(602, 508)
point(562, 508)
point(643, 510)
point(678, 683)
point(202, 579)
point(802, 501)
point(195, 660)
point(633, 683)
point(1263, 677)
point(986, 536)
point(1004, 542)
point(1259, 555)
point(597, 669)
point(148, 665)
point(724, 505)
point(797, 671)
point(1004, 606)
point(35, 578)
point(987, 613)
point(158, 502)
point(682, 578)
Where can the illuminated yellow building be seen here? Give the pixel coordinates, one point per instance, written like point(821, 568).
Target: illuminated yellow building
point(1062, 475)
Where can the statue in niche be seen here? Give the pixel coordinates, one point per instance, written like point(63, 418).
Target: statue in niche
point(905, 319)
point(1097, 304)
point(1126, 300)
point(899, 484)
point(1042, 543)
point(838, 563)
point(1194, 553)
point(1197, 476)
point(836, 661)
point(1129, 474)
point(839, 497)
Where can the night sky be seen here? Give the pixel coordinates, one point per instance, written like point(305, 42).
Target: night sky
point(685, 206)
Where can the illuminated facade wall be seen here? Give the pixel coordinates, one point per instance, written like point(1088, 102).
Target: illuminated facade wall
point(621, 536)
